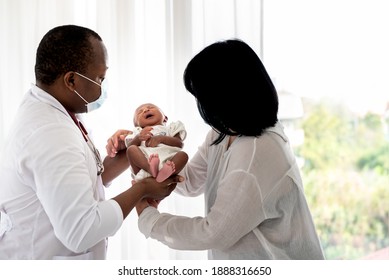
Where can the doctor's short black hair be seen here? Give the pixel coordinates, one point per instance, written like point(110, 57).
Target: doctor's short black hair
point(63, 48)
point(233, 90)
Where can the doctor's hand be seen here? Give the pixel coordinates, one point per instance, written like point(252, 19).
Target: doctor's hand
point(147, 189)
point(154, 192)
point(116, 142)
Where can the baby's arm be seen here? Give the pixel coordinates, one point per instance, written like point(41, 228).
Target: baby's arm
point(174, 138)
point(174, 141)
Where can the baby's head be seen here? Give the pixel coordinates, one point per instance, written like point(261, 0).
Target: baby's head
point(149, 114)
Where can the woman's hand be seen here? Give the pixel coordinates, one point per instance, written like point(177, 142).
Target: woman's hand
point(146, 202)
point(116, 142)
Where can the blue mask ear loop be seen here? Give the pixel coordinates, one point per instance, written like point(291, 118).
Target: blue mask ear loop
point(91, 106)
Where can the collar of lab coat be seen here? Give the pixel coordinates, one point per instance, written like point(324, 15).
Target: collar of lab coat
point(47, 98)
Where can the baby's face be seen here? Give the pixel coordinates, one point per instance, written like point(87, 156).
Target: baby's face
point(148, 114)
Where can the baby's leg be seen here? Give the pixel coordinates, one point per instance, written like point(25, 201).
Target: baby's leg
point(154, 164)
point(167, 169)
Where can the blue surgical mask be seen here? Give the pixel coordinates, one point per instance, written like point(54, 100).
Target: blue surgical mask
point(91, 106)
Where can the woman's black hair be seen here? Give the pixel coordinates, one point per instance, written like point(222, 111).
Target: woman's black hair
point(62, 49)
point(233, 90)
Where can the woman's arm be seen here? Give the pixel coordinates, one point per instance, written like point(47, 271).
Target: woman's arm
point(236, 211)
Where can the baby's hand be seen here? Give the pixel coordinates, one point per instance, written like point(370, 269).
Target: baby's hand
point(154, 141)
point(146, 133)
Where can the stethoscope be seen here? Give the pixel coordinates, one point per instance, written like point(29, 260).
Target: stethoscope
point(89, 142)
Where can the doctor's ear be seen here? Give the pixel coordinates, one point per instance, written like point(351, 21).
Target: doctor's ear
point(68, 79)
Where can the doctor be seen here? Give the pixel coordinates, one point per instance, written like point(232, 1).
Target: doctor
point(52, 203)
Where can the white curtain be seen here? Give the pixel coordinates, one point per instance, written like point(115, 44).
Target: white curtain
point(149, 43)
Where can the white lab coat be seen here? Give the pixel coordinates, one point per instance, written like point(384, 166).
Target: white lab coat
point(52, 202)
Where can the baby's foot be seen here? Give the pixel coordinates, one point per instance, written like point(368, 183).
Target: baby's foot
point(154, 164)
point(167, 169)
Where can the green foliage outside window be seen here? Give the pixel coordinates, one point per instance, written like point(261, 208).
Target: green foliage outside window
point(346, 178)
